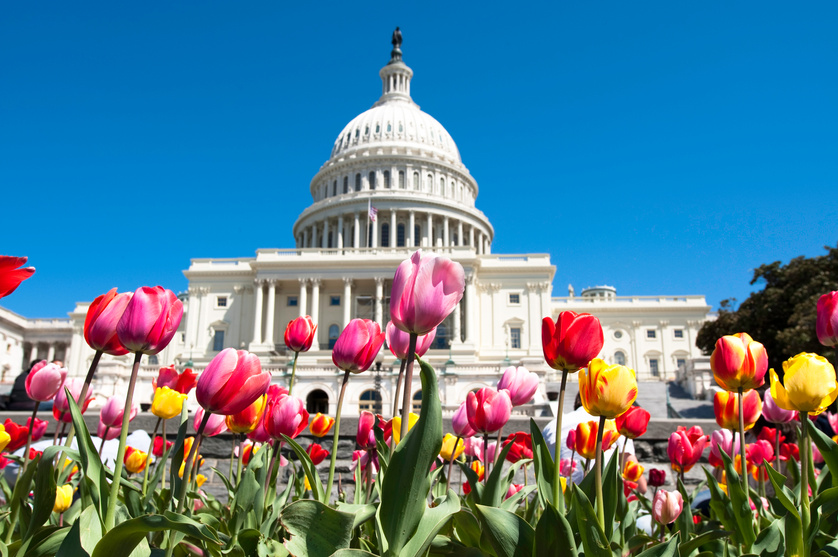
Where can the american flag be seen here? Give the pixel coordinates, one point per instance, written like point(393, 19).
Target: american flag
point(372, 211)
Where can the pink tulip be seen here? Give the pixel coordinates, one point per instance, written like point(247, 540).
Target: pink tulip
point(571, 440)
point(39, 429)
point(460, 422)
point(474, 448)
point(685, 448)
point(364, 458)
point(773, 413)
point(107, 432)
point(61, 407)
point(366, 436)
point(488, 410)
point(181, 382)
point(216, 423)
point(358, 345)
point(723, 440)
point(10, 275)
point(513, 489)
point(150, 320)
point(491, 449)
point(759, 452)
point(101, 320)
point(426, 289)
point(567, 466)
point(299, 334)
point(827, 322)
point(113, 410)
point(398, 341)
point(667, 506)
point(285, 416)
point(44, 381)
point(260, 434)
point(833, 421)
point(232, 381)
point(520, 383)
point(817, 457)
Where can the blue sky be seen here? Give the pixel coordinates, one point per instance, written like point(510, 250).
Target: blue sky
point(659, 147)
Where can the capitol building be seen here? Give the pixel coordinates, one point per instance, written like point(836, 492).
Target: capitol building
point(393, 183)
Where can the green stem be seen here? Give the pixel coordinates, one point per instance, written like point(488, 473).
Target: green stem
point(396, 398)
point(485, 458)
point(293, 373)
point(805, 516)
point(16, 508)
point(232, 457)
point(120, 453)
point(187, 469)
point(744, 473)
point(408, 383)
point(600, 506)
point(239, 466)
point(334, 455)
point(82, 395)
point(558, 496)
point(150, 449)
point(451, 465)
point(163, 435)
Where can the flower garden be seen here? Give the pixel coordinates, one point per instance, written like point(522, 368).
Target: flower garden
point(766, 496)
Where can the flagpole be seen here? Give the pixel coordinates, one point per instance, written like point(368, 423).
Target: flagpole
point(367, 238)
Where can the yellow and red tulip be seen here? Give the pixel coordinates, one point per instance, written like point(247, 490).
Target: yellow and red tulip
point(586, 434)
point(739, 362)
point(726, 408)
point(607, 390)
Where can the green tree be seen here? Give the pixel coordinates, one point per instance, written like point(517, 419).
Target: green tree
point(782, 315)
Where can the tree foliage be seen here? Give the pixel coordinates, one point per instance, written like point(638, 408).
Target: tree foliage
point(782, 315)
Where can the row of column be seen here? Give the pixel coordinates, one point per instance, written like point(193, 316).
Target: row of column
point(317, 235)
point(53, 350)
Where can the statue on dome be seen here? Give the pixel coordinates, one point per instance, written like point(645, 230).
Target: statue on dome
point(396, 54)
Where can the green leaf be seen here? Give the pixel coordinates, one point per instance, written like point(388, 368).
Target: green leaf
point(83, 536)
point(593, 537)
point(770, 540)
point(21, 492)
point(467, 528)
point(127, 535)
point(432, 522)
point(781, 492)
point(46, 541)
point(44, 492)
point(156, 478)
point(352, 553)
point(688, 547)
point(827, 447)
point(611, 491)
point(309, 469)
point(473, 481)
point(94, 478)
point(509, 534)
point(362, 513)
point(544, 465)
point(553, 532)
point(315, 528)
point(514, 502)
point(826, 501)
point(495, 489)
point(739, 501)
point(177, 460)
point(406, 485)
point(668, 549)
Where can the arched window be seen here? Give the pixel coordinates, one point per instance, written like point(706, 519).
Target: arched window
point(429, 183)
point(401, 179)
point(417, 233)
point(334, 188)
point(387, 179)
point(385, 235)
point(400, 235)
point(620, 358)
point(372, 180)
point(416, 180)
point(334, 332)
point(442, 186)
point(370, 401)
point(317, 401)
point(346, 184)
point(357, 182)
point(416, 405)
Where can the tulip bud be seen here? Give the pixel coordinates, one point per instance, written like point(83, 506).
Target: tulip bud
point(183, 382)
point(448, 447)
point(827, 323)
point(739, 362)
point(488, 410)
point(365, 437)
point(571, 440)
point(572, 341)
point(357, 346)
point(685, 448)
point(586, 434)
point(101, 320)
point(216, 423)
point(232, 381)
point(299, 334)
point(633, 422)
point(38, 430)
point(135, 460)
point(321, 425)
point(167, 403)
point(657, 477)
point(513, 489)
point(520, 383)
point(63, 498)
point(726, 407)
point(159, 447)
point(632, 470)
point(247, 452)
point(17, 434)
point(316, 453)
point(459, 422)
point(723, 440)
point(398, 341)
point(426, 289)
point(667, 506)
point(44, 381)
point(150, 320)
point(521, 446)
point(113, 410)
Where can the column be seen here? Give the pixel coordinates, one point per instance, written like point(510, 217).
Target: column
point(301, 302)
point(471, 237)
point(257, 325)
point(315, 308)
point(269, 323)
point(340, 232)
point(374, 228)
point(51, 352)
point(457, 324)
point(460, 233)
point(664, 357)
point(347, 300)
point(67, 353)
point(635, 329)
point(392, 225)
point(379, 301)
point(357, 233)
point(487, 249)
point(411, 228)
point(305, 238)
point(33, 353)
point(324, 241)
point(479, 242)
point(429, 232)
point(445, 235)
point(471, 307)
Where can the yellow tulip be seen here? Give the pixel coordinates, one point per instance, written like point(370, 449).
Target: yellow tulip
point(448, 447)
point(200, 479)
point(563, 480)
point(808, 385)
point(397, 426)
point(5, 438)
point(135, 460)
point(63, 498)
point(306, 484)
point(167, 403)
point(607, 390)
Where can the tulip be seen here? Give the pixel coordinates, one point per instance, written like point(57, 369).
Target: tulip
point(135, 461)
point(773, 413)
point(513, 489)
point(386, 427)
point(586, 435)
point(44, 381)
point(770, 434)
point(17, 434)
point(181, 382)
point(398, 341)
point(633, 422)
point(571, 440)
point(667, 506)
point(5, 438)
point(247, 420)
point(316, 453)
point(101, 320)
point(567, 465)
point(827, 323)
point(833, 421)
point(685, 448)
point(521, 446)
point(111, 412)
point(607, 390)
point(760, 452)
point(106, 432)
point(285, 416)
point(357, 346)
point(247, 451)
point(520, 383)
point(365, 437)
point(299, 334)
point(397, 426)
point(632, 470)
point(63, 498)
point(739, 363)
point(808, 384)
point(216, 423)
point(39, 429)
point(159, 449)
point(232, 381)
point(488, 410)
point(167, 403)
point(150, 320)
point(789, 451)
point(11, 275)
point(474, 448)
point(479, 469)
point(459, 422)
point(260, 434)
point(321, 425)
point(426, 289)
point(364, 458)
point(723, 440)
point(61, 407)
point(726, 408)
point(657, 477)
point(449, 451)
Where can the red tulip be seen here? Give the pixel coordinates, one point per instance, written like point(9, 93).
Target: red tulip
point(657, 477)
point(572, 341)
point(365, 437)
point(739, 362)
point(460, 422)
point(426, 289)
point(316, 453)
point(285, 416)
point(827, 323)
point(520, 383)
point(159, 449)
point(232, 381)
point(790, 450)
point(39, 429)
point(17, 433)
point(759, 452)
point(299, 334)
point(150, 320)
point(320, 425)
point(10, 275)
point(181, 382)
point(571, 440)
point(386, 427)
point(667, 506)
point(769, 434)
point(44, 381)
point(61, 407)
point(488, 410)
point(521, 446)
point(111, 413)
point(358, 345)
point(685, 449)
point(398, 341)
point(101, 320)
point(216, 423)
point(247, 452)
point(633, 422)
point(726, 407)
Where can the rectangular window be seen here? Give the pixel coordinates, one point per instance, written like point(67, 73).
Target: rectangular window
point(680, 362)
point(334, 300)
point(514, 299)
point(221, 302)
point(653, 367)
point(515, 337)
point(183, 337)
point(218, 341)
point(292, 301)
point(651, 333)
point(679, 333)
point(364, 307)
